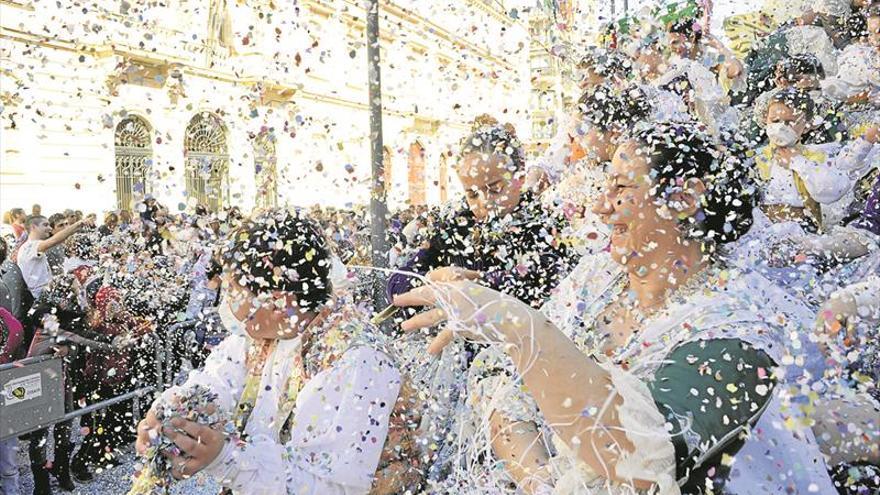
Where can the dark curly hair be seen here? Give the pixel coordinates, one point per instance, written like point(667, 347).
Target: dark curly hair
point(677, 152)
point(792, 68)
point(798, 100)
point(610, 108)
point(607, 63)
point(283, 251)
point(488, 138)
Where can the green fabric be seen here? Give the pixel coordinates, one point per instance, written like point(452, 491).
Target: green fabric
point(711, 392)
point(761, 61)
point(677, 12)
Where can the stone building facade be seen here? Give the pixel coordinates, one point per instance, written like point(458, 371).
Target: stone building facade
point(245, 102)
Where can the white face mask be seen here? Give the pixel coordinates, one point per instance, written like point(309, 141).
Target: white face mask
point(782, 135)
point(232, 324)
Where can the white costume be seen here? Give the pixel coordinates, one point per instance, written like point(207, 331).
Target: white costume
point(729, 305)
point(337, 426)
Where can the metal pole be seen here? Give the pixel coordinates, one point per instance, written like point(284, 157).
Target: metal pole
point(625, 7)
point(613, 10)
point(378, 208)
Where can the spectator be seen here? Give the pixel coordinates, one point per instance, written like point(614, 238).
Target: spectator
point(55, 255)
point(11, 337)
point(111, 222)
point(124, 219)
point(32, 257)
point(7, 232)
point(18, 221)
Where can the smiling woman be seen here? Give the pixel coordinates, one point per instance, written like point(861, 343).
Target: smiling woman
point(641, 362)
point(500, 232)
point(671, 179)
point(309, 385)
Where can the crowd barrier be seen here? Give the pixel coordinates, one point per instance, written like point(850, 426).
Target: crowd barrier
point(32, 389)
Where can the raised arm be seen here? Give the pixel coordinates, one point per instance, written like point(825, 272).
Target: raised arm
point(611, 419)
point(576, 394)
point(64, 233)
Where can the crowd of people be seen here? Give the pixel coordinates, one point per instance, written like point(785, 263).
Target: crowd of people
point(680, 295)
point(103, 297)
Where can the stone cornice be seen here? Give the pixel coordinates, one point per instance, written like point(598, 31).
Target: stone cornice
point(415, 19)
point(274, 92)
point(18, 4)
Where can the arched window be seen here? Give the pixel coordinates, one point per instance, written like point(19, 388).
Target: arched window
point(416, 174)
point(265, 168)
point(134, 155)
point(207, 161)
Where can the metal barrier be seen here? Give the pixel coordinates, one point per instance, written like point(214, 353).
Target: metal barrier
point(35, 386)
point(40, 381)
point(31, 395)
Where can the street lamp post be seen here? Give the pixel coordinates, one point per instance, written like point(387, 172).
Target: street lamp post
point(378, 208)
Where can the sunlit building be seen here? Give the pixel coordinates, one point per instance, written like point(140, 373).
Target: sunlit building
point(256, 102)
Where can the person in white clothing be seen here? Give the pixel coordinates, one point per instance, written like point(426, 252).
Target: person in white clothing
point(32, 254)
point(307, 380)
point(809, 184)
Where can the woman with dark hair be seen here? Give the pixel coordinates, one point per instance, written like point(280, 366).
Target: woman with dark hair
point(652, 361)
point(502, 234)
point(710, 73)
point(307, 384)
point(804, 72)
point(599, 67)
point(606, 113)
point(18, 218)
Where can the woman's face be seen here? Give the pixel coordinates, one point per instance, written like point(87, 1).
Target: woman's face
point(491, 188)
point(263, 317)
point(679, 44)
point(874, 31)
point(650, 63)
point(599, 144)
point(643, 229)
point(780, 113)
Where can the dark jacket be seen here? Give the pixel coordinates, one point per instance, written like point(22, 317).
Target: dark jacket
point(520, 254)
point(14, 294)
point(869, 218)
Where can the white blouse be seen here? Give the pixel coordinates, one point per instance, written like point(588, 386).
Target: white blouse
point(827, 181)
point(338, 429)
point(859, 71)
point(780, 189)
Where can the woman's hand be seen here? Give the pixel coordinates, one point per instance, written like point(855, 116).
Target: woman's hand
point(785, 154)
point(537, 180)
point(121, 342)
point(200, 445)
point(733, 68)
point(834, 316)
point(147, 431)
point(872, 134)
point(472, 311)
